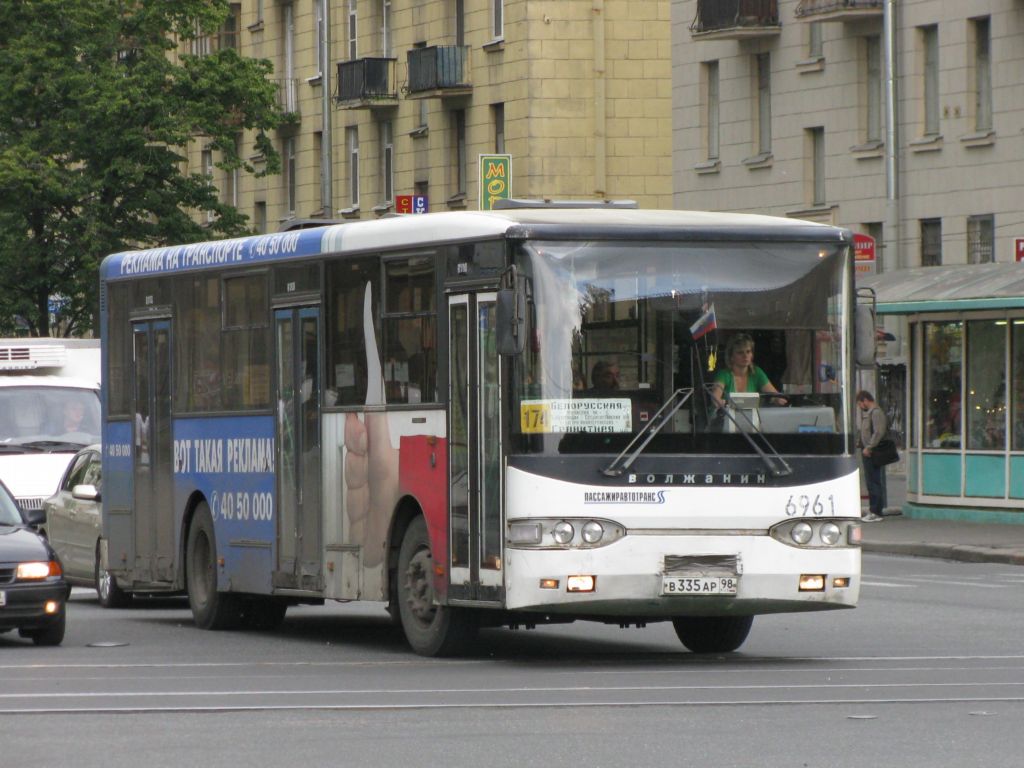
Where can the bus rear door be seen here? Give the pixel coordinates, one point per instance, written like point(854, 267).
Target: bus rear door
point(475, 450)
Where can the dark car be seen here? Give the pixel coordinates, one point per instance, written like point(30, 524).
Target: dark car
point(33, 592)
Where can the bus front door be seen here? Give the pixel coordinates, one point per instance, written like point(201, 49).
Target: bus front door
point(297, 334)
point(154, 511)
point(474, 450)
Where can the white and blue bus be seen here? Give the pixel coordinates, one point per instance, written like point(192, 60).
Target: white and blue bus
point(413, 410)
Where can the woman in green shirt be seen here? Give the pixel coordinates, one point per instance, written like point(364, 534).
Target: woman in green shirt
point(740, 374)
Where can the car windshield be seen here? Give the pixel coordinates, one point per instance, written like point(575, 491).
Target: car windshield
point(45, 418)
point(616, 328)
point(9, 514)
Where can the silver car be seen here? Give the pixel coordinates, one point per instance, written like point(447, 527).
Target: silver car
point(73, 526)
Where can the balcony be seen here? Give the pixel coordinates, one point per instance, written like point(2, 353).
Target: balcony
point(288, 95)
point(735, 19)
point(439, 71)
point(838, 10)
point(367, 84)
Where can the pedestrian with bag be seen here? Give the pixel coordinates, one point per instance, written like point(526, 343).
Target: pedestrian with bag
point(877, 450)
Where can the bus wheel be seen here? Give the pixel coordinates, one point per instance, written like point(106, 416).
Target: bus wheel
point(431, 629)
point(712, 634)
point(210, 609)
point(110, 595)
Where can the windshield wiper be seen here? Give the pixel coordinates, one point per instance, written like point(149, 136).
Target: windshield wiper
point(54, 446)
point(650, 429)
point(748, 429)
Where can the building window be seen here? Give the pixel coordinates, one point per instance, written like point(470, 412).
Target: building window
point(290, 96)
point(873, 88)
point(980, 239)
point(387, 162)
point(498, 19)
point(259, 216)
point(712, 101)
point(289, 174)
point(816, 166)
point(981, 29)
point(231, 178)
point(815, 48)
point(230, 30)
point(930, 46)
point(931, 242)
point(763, 100)
point(206, 168)
point(460, 167)
point(498, 115)
point(385, 28)
point(986, 385)
point(1017, 383)
point(321, 37)
point(352, 31)
point(352, 142)
point(259, 11)
point(460, 22)
point(942, 372)
point(875, 230)
point(318, 148)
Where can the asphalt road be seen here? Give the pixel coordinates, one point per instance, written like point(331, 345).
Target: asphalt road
point(928, 671)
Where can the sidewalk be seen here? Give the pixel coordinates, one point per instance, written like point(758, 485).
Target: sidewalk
point(947, 539)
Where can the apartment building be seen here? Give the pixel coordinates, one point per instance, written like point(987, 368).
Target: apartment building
point(780, 106)
point(398, 98)
point(904, 121)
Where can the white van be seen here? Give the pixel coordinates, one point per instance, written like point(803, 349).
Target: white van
point(49, 410)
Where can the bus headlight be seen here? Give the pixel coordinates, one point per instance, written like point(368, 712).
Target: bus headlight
point(830, 534)
point(592, 532)
point(801, 533)
point(563, 532)
point(817, 533)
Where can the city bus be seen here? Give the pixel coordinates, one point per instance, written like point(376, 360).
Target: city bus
point(407, 410)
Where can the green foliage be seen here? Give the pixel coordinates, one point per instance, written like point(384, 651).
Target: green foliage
point(96, 107)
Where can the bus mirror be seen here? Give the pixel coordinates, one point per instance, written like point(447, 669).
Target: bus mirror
point(864, 336)
point(511, 318)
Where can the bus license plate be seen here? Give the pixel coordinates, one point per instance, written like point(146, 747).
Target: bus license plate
point(699, 585)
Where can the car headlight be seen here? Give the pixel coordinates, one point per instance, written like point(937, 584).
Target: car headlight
point(563, 532)
point(34, 571)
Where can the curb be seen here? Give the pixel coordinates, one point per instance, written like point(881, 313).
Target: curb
point(966, 553)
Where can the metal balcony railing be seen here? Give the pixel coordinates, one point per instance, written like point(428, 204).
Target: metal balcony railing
point(724, 15)
point(439, 68)
point(288, 95)
point(844, 8)
point(366, 81)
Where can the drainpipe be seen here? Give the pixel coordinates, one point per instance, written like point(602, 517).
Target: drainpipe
point(600, 104)
point(892, 200)
point(326, 117)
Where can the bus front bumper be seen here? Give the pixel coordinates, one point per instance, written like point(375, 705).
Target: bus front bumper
point(629, 578)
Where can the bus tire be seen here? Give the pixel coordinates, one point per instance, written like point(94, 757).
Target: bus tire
point(210, 609)
point(712, 634)
point(431, 629)
point(109, 594)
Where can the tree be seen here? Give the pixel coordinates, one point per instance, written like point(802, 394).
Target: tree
point(97, 106)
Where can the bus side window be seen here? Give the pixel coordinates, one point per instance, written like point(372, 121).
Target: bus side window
point(346, 373)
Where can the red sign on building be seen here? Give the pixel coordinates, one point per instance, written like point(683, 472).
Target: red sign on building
point(864, 254)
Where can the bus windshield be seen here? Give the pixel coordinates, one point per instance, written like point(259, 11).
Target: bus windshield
point(48, 418)
point(615, 329)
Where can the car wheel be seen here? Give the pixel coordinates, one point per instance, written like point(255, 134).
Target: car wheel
point(53, 633)
point(211, 609)
point(431, 629)
point(110, 595)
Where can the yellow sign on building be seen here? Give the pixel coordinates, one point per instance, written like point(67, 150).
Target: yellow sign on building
point(495, 180)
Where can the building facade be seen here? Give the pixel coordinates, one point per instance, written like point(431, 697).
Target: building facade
point(902, 120)
point(397, 98)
